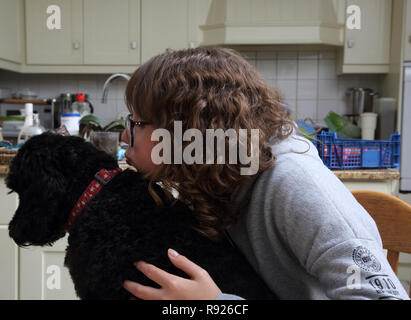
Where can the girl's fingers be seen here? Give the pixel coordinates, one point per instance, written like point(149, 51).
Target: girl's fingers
point(142, 292)
point(189, 267)
point(159, 276)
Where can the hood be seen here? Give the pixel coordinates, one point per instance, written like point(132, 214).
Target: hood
point(264, 22)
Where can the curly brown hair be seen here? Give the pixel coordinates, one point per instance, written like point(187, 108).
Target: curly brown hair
point(207, 88)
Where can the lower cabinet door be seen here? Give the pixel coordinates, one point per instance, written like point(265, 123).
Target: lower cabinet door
point(43, 275)
point(8, 266)
point(8, 249)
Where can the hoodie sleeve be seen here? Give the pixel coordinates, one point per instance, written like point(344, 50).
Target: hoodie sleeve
point(331, 235)
point(357, 269)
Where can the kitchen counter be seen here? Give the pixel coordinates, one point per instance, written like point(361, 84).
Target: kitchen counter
point(368, 174)
point(365, 174)
point(4, 169)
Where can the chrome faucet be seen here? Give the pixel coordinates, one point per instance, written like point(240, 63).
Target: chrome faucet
point(108, 82)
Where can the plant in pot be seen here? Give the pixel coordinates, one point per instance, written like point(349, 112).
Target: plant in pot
point(106, 138)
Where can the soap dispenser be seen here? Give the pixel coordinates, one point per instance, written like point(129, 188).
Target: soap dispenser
point(32, 126)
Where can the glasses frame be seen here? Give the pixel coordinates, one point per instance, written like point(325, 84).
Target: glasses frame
point(130, 124)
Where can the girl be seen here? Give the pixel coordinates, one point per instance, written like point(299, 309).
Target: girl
point(295, 222)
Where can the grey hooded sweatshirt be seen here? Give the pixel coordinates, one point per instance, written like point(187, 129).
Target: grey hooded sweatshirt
point(306, 235)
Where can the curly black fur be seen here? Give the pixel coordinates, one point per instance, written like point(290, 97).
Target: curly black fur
point(119, 226)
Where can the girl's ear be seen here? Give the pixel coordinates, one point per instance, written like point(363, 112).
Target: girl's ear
point(40, 217)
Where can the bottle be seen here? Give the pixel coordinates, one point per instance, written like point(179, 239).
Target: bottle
point(81, 105)
point(28, 114)
point(66, 103)
point(31, 126)
point(28, 122)
point(70, 116)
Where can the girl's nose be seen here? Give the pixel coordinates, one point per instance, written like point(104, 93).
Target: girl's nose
point(124, 137)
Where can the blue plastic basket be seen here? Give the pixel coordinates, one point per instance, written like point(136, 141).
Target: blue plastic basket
point(356, 154)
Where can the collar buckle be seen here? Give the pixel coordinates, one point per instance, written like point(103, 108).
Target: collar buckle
point(103, 176)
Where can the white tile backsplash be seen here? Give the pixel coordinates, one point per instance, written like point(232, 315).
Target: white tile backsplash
point(307, 89)
point(307, 80)
point(52, 85)
point(307, 69)
point(267, 68)
point(88, 83)
point(327, 69)
point(328, 89)
point(266, 55)
point(325, 106)
point(306, 109)
point(288, 88)
point(310, 55)
point(287, 69)
point(329, 54)
point(287, 55)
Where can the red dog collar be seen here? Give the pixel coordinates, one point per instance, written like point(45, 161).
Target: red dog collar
point(101, 178)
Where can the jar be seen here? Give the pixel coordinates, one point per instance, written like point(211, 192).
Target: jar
point(72, 122)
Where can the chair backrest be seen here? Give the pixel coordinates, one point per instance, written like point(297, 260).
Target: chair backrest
point(393, 219)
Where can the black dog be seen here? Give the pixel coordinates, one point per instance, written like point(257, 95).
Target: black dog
point(119, 226)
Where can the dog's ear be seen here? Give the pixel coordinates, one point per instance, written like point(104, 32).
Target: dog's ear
point(40, 217)
point(41, 186)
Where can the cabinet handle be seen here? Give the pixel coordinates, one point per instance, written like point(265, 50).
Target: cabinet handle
point(409, 39)
point(76, 45)
point(133, 44)
point(350, 44)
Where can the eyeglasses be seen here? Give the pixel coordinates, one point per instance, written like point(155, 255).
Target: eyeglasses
point(130, 123)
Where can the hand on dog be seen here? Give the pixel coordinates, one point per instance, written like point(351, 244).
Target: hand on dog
point(199, 287)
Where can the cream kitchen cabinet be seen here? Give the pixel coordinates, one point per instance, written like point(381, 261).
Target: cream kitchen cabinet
point(42, 274)
point(407, 30)
point(11, 34)
point(167, 24)
point(111, 32)
point(367, 50)
point(8, 249)
point(93, 32)
point(55, 46)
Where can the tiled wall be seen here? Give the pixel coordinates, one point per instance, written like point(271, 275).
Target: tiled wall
point(307, 80)
point(51, 85)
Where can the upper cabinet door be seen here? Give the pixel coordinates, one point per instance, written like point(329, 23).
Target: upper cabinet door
point(407, 30)
point(58, 46)
point(11, 33)
point(165, 24)
point(111, 32)
point(370, 44)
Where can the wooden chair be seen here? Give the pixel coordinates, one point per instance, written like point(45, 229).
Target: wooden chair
point(393, 219)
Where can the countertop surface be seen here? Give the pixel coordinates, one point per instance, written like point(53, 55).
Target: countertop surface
point(366, 174)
